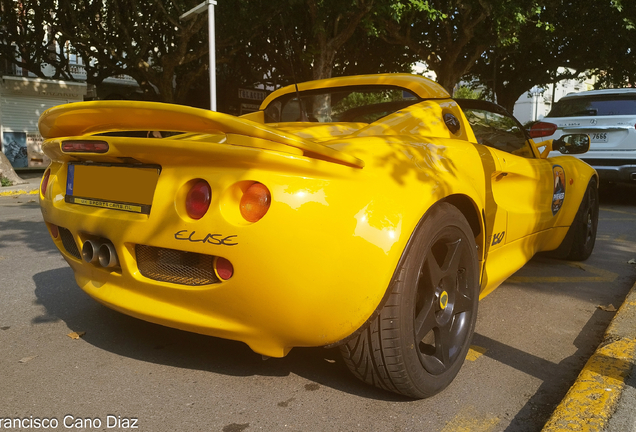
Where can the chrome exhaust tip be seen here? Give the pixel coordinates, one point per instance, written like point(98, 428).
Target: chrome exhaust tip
point(108, 255)
point(89, 251)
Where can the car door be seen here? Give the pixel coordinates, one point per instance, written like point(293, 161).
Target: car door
point(523, 184)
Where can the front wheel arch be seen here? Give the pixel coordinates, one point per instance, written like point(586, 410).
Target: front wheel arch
point(418, 340)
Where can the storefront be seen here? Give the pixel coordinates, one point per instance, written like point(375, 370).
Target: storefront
point(22, 101)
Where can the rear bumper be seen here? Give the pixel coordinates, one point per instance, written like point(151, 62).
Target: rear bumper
point(303, 275)
point(612, 170)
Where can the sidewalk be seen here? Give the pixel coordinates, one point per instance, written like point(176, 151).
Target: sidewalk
point(31, 187)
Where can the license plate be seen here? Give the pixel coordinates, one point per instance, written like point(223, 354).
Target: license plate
point(599, 137)
point(113, 187)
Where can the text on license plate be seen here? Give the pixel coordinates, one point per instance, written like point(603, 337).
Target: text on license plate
point(599, 137)
point(114, 187)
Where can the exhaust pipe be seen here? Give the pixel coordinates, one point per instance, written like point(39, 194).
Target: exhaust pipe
point(89, 251)
point(108, 255)
point(633, 176)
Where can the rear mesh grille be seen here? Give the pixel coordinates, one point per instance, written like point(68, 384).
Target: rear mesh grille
point(170, 265)
point(69, 242)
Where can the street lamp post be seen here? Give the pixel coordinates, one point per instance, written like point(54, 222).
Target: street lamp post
point(211, 37)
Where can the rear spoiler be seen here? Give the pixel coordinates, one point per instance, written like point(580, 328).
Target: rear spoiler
point(89, 118)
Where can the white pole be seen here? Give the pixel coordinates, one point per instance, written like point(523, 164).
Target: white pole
point(211, 37)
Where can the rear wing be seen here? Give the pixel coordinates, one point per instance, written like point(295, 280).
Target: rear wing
point(90, 118)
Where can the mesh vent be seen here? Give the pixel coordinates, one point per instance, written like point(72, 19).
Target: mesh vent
point(69, 242)
point(170, 265)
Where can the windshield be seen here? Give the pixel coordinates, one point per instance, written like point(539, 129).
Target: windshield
point(364, 104)
point(604, 105)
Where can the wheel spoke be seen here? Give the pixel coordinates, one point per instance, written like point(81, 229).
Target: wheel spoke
point(463, 303)
point(443, 342)
point(433, 365)
point(425, 321)
point(434, 271)
point(452, 258)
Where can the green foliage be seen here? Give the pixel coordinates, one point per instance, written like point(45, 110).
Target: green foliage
point(465, 92)
point(508, 46)
point(360, 99)
point(5, 182)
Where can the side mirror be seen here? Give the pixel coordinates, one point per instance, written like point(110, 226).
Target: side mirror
point(572, 144)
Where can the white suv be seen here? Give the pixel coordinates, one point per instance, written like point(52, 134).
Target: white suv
point(609, 118)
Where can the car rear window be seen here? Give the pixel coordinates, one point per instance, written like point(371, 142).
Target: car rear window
point(606, 105)
point(364, 104)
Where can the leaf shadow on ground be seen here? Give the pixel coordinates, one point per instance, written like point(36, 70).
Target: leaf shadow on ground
point(120, 334)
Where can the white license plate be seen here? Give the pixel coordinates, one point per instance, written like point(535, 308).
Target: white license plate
point(598, 137)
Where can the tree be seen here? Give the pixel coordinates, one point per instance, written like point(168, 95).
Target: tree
point(143, 39)
point(451, 35)
point(560, 41)
point(27, 40)
point(7, 171)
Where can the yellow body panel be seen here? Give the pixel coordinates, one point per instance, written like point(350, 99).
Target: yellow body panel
point(346, 198)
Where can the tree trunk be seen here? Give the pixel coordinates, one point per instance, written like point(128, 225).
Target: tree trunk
point(323, 65)
point(7, 171)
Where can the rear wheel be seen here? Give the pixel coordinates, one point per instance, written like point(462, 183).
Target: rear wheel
point(585, 224)
point(419, 340)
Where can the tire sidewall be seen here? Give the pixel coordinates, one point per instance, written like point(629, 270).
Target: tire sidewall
point(433, 224)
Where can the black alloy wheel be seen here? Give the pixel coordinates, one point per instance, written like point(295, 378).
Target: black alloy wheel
point(417, 343)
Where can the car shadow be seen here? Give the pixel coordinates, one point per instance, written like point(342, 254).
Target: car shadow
point(123, 335)
point(617, 193)
point(556, 378)
point(31, 233)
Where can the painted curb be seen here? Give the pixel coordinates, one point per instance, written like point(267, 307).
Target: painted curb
point(30, 191)
point(593, 398)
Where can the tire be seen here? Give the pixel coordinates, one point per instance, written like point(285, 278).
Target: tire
point(584, 226)
point(415, 346)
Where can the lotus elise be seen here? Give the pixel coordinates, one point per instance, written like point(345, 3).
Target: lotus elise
point(366, 212)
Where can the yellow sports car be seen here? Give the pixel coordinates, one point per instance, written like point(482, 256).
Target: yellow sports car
point(367, 212)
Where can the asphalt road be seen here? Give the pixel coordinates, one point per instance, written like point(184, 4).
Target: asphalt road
point(534, 334)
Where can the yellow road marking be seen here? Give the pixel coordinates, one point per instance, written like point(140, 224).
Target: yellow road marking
point(470, 419)
point(600, 276)
point(475, 352)
point(591, 400)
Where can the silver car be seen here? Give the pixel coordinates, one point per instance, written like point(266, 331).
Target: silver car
point(609, 118)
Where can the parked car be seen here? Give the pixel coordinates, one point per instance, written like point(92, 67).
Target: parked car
point(368, 212)
point(609, 118)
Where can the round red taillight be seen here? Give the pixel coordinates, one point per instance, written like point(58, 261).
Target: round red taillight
point(542, 129)
point(224, 268)
point(45, 181)
point(198, 199)
point(255, 202)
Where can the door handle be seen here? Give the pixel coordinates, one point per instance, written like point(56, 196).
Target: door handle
point(501, 175)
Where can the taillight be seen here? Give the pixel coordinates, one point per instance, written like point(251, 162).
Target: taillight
point(198, 199)
point(85, 146)
point(45, 181)
point(542, 129)
point(224, 268)
point(255, 202)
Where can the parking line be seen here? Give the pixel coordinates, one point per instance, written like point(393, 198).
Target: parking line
point(471, 420)
point(600, 275)
point(475, 352)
